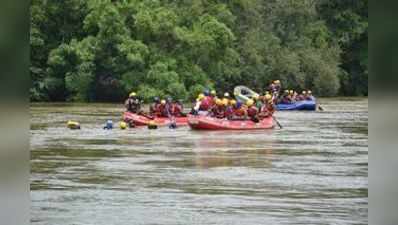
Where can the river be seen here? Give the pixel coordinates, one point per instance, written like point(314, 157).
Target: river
point(313, 171)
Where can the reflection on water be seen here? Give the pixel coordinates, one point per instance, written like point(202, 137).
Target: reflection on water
point(314, 171)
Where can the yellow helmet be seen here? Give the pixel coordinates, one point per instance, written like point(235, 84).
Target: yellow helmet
point(152, 123)
point(226, 94)
point(277, 82)
point(213, 92)
point(163, 102)
point(256, 97)
point(267, 92)
point(201, 96)
point(132, 94)
point(268, 97)
point(304, 92)
point(232, 102)
point(291, 92)
point(250, 102)
point(225, 101)
point(123, 125)
point(219, 102)
point(287, 91)
point(309, 92)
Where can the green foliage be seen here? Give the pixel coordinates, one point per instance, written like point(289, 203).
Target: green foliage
point(100, 50)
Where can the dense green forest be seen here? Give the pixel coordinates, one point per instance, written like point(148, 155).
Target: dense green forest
point(99, 50)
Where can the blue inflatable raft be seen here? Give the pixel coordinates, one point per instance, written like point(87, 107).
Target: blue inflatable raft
point(301, 105)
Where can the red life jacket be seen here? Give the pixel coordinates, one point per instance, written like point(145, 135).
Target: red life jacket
point(161, 110)
point(228, 111)
point(219, 111)
point(176, 110)
point(252, 111)
point(239, 112)
point(206, 103)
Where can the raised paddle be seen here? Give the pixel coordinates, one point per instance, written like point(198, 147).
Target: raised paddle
point(277, 122)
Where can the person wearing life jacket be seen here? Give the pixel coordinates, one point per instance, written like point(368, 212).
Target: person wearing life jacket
point(239, 112)
point(197, 104)
point(154, 107)
point(301, 96)
point(133, 104)
point(309, 95)
point(226, 98)
point(268, 107)
point(168, 107)
point(162, 109)
point(285, 99)
point(294, 96)
point(177, 108)
point(207, 102)
point(229, 108)
point(257, 101)
point(219, 109)
point(252, 110)
point(277, 87)
point(271, 87)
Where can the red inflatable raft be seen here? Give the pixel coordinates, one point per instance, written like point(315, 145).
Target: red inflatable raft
point(211, 123)
point(140, 120)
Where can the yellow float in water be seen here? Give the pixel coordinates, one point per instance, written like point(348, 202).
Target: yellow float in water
point(73, 125)
point(152, 125)
point(123, 125)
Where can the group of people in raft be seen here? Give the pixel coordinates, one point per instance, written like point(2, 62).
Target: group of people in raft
point(209, 104)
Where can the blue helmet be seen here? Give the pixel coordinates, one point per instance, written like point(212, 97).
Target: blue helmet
point(156, 99)
point(206, 92)
point(169, 99)
point(238, 104)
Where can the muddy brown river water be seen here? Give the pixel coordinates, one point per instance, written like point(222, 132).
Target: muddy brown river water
point(313, 171)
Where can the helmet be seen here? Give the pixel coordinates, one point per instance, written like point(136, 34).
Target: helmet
point(303, 92)
point(169, 99)
point(123, 125)
point(286, 91)
point(266, 92)
point(277, 82)
point(163, 102)
point(309, 92)
point(250, 102)
point(268, 97)
point(132, 94)
point(238, 104)
point(156, 99)
point(206, 92)
point(219, 102)
point(201, 96)
point(226, 94)
point(213, 92)
point(291, 92)
point(225, 101)
point(232, 102)
point(152, 123)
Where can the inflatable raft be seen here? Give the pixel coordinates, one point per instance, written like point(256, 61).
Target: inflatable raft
point(211, 123)
point(140, 120)
point(301, 105)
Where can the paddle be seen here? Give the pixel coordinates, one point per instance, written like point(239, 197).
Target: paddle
point(320, 107)
point(277, 122)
